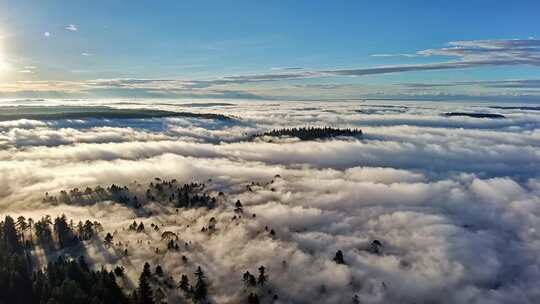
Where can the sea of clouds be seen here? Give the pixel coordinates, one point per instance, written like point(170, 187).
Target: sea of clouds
point(455, 201)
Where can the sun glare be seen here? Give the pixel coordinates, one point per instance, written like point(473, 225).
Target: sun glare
point(3, 60)
point(3, 63)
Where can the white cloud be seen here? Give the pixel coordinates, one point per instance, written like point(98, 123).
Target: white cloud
point(71, 27)
point(455, 201)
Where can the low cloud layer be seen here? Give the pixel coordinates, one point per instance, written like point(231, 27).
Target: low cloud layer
point(454, 200)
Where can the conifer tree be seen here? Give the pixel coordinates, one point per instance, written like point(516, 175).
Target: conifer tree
point(184, 283)
point(262, 278)
point(200, 292)
point(144, 291)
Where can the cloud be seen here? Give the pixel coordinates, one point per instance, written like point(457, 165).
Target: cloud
point(451, 199)
point(286, 82)
point(71, 27)
point(503, 84)
point(286, 68)
point(394, 55)
point(47, 34)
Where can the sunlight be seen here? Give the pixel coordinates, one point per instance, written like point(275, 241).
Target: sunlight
point(3, 62)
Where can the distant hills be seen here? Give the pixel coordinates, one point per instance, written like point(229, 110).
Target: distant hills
point(97, 112)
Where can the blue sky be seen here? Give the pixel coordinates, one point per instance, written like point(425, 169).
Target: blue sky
point(83, 41)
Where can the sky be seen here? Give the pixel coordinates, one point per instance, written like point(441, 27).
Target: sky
point(270, 49)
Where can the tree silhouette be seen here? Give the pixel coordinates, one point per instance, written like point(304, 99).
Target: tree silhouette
point(108, 239)
point(184, 283)
point(262, 278)
point(311, 133)
point(22, 226)
point(238, 208)
point(338, 258)
point(200, 291)
point(144, 291)
point(253, 299)
point(159, 271)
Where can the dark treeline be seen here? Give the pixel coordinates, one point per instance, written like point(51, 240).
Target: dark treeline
point(61, 281)
point(69, 280)
point(57, 233)
point(474, 115)
point(311, 133)
point(165, 192)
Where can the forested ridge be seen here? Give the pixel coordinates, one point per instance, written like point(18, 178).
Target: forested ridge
point(311, 133)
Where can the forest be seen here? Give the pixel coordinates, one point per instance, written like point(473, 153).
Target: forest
point(311, 133)
point(70, 278)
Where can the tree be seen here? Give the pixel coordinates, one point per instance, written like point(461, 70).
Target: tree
point(62, 231)
point(253, 299)
point(88, 230)
point(140, 228)
point(238, 208)
point(144, 291)
point(200, 292)
point(159, 271)
point(83, 264)
point(355, 299)
point(10, 235)
point(338, 258)
point(22, 226)
point(246, 278)
point(119, 271)
point(262, 278)
point(108, 239)
point(375, 247)
point(184, 283)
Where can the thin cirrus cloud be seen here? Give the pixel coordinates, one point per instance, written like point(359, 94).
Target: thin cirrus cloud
point(502, 84)
point(465, 54)
point(471, 54)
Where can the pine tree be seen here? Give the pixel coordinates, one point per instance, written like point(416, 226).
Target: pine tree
point(238, 208)
point(108, 239)
point(261, 280)
point(10, 235)
point(338, 258)
point(184, 283)
point(245, 278)
point(253, 299)
point(159, 271)
point(22, 226)
point(200, 292)
point(119, 271)
point(62, 230)
point(144, 291)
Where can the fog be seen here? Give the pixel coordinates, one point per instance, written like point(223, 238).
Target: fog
point(455, 201)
